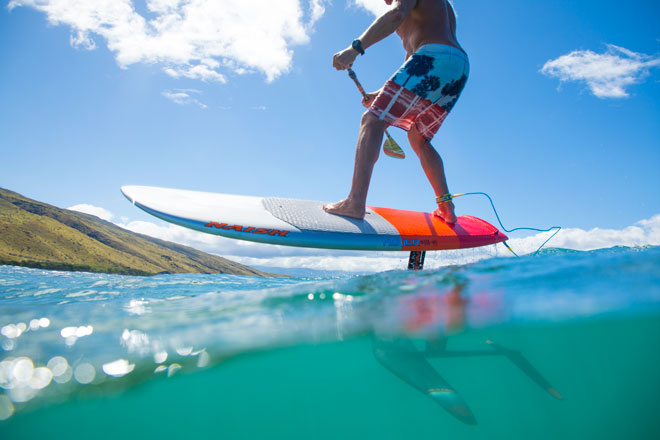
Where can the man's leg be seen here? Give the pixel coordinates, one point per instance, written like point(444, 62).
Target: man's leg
point(434, 170)
point(366, 155)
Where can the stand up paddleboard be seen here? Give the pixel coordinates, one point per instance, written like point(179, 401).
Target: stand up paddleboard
point(303, 223)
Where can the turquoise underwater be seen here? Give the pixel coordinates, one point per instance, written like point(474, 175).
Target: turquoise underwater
point(564, 345)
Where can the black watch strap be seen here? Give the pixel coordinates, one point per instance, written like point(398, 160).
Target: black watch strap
point(357, 45)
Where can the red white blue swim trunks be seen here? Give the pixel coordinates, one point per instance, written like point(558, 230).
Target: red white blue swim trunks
point(424, 90)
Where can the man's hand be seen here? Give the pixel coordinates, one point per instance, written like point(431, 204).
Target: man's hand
point(344, 59)
point(369, 99)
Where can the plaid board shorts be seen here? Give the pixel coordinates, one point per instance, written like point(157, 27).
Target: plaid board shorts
point(424, 90)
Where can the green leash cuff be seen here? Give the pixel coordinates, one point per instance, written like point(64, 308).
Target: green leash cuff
point(443, 199)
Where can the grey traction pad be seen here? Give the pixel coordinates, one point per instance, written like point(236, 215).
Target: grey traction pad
point(310, 216)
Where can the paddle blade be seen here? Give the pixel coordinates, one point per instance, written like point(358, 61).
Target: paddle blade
point(392, 149)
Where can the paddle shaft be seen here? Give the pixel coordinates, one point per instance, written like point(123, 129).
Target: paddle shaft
point(353, 76)
point(391, 149)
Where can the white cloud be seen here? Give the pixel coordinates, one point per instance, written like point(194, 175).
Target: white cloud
point(183, 96)
point(642, 233)
point(93, 210)
point(81, 40)
point(203, 71)
point(607, 75)
point(347, 263)
point(317, 9)
point(197, 39)
point(375, 7)
point(371, 261)
point(379, 7)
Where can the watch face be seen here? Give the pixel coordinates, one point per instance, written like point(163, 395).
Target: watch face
point(357, 45)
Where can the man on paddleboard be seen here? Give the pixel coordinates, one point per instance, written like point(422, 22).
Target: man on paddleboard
point(417, 98)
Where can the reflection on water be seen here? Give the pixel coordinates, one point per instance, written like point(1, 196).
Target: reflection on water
point(423, 313)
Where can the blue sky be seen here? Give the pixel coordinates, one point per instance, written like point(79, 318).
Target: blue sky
point(559, 121)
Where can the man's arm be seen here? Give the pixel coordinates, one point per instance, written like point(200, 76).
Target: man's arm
point(387, 23)
point(382, 27)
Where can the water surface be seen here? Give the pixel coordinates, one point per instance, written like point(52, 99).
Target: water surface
point(565, 344)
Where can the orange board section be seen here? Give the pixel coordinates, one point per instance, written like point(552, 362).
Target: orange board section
point(425, 231)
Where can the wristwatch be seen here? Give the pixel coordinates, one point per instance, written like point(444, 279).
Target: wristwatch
point(357, 45)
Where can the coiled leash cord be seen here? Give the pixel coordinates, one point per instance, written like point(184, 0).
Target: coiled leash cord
point(447, 197)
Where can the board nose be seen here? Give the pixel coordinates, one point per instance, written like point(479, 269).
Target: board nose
point(127, 192)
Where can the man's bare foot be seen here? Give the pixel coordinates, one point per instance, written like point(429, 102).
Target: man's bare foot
point(345, 208)
point(446, 212)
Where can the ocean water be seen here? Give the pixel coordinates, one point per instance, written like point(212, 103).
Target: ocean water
point(561, 345)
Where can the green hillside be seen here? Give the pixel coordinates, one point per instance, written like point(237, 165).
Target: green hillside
point(36, 234)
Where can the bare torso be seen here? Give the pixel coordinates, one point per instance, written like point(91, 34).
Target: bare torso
point(429, 22)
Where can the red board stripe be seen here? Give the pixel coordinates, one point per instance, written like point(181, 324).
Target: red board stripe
point(425, 231)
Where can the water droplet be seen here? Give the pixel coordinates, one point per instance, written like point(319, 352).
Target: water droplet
point(160, 357)
point(6, 407)
point(11, 331)
point(118, 368)
point(5, 373)
point(135, 341)
point(67, 332)
point(184, 351)
point(84, 330)
point(22, 394)
point(84, 373)
point(41, 378)
point(58, 365)
point(23, 368)
point(64, 377)
point(137, 307)
point(173, 369)
point(203, 360)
